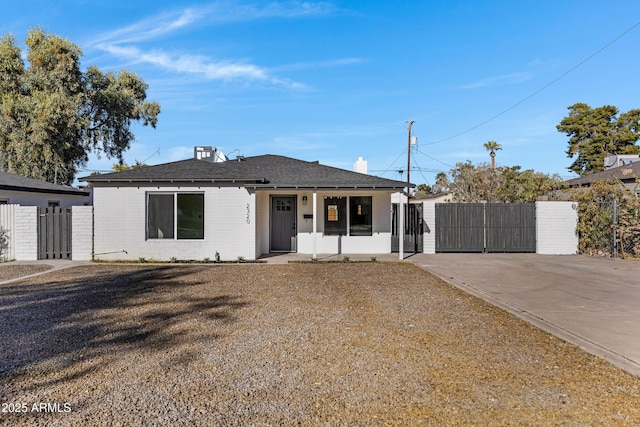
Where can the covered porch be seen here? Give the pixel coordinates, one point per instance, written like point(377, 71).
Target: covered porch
point(312, 222)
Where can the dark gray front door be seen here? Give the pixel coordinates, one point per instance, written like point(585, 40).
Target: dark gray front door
point(283, 223)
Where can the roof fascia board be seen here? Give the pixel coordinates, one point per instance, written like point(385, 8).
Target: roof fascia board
point(175, 180)
point(43, 190)
point(328, 187)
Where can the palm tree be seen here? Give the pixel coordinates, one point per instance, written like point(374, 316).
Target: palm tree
point(492, 147)
point(442, 180)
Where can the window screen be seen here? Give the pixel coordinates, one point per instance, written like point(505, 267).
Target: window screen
point(160, 216)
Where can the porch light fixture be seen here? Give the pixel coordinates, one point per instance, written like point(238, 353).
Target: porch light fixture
point(304, 200)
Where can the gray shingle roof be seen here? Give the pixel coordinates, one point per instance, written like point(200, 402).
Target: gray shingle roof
point(266, 171)
point(13, 182)
point(623, 173)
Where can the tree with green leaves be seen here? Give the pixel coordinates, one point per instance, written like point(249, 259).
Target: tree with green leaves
point(596, 132)
point(474, 184)
point(441, 179)
point(492, 147)
point(119, 167)
point(482, 183)
point(423, 189)
point(52, 114)
point(520, 186)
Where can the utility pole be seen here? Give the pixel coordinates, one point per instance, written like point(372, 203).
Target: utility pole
point(409, 124)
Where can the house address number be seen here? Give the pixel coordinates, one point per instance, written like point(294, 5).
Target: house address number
point(248, 213)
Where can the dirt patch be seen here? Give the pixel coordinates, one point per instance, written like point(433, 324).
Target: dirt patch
point(329, 344)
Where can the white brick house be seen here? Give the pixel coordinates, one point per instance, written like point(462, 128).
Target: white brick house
point(194, 209)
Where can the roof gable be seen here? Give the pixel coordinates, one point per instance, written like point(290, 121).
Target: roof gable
point(265, 171)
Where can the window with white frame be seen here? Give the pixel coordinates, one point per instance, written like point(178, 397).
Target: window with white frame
point(175, 216)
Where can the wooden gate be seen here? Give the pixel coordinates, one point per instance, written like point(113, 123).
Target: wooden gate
point(413, 228)
point(459, 227)
point(485, 227)
point(54, 233)
point(511, 227)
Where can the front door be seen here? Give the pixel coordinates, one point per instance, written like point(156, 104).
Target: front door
point(283, 223)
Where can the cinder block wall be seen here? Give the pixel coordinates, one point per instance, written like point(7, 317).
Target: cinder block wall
point(26, 233)
point(82, 233)
point(556, 228)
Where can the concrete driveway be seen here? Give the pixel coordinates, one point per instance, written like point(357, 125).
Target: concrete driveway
point(591, 302)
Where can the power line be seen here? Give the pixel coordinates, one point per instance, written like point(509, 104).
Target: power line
point(392, 163)
point(420, 170)
point(541, 89)
point(154, 153)
point(434, 159)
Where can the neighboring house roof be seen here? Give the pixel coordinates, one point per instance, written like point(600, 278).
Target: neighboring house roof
point(432, 196)
point(266, 171)
point(627, 173)
point(13, 182)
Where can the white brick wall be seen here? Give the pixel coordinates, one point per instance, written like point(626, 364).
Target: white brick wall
point(82, 233)
point(429, 227)
point(556, 228)
point(26, 233)
point(120, 225)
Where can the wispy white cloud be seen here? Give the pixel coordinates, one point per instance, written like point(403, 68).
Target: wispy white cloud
point(232, 11)
point(150, 28)
point(221, 12)
point(201, 65)
point(319, 64)
point(189, 63)
point(507, 79)
point(124, 43)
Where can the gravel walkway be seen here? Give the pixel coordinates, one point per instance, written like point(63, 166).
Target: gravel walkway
point(301, 344)
point(9, 271)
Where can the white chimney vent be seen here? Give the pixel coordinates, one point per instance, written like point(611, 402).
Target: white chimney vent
point(360, 166)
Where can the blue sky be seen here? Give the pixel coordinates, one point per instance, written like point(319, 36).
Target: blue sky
point(336, 80)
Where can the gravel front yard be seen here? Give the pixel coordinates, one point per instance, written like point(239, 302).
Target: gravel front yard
point(300, 344)
point(11, 271)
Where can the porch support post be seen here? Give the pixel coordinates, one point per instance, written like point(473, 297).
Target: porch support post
point(315, 222)
point(401, 228)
